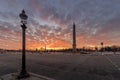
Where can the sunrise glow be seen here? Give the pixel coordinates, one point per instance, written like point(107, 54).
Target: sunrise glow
point(51, 24)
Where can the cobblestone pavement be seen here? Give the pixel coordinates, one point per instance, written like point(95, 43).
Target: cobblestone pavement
point(65, 66)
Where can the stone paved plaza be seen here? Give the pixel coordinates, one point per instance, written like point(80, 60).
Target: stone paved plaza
point(65, 66)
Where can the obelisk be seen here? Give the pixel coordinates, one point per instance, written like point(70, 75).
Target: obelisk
point(74, 38)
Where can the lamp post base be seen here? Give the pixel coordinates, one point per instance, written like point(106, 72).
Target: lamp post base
point(23, 75)
point(13, 76)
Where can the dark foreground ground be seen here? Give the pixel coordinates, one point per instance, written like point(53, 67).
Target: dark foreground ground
point(65, 66)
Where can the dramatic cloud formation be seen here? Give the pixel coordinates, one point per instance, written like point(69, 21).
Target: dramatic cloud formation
point(50, 23)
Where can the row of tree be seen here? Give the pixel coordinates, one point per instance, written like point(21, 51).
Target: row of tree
point(111, 48)
point(106, 48)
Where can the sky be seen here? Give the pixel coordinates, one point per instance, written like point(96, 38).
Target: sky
point(50, 23)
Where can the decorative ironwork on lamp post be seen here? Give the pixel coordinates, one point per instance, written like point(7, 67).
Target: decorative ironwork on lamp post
point(23, 73)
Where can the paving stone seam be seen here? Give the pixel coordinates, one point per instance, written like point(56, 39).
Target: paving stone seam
point(115, 65)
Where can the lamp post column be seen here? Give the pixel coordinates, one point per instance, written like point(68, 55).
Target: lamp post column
point(23, 73)
point(23, 49)
point(101, 47)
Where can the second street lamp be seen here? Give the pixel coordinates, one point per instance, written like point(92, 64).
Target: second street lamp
point(23, 73)
point(101, 47)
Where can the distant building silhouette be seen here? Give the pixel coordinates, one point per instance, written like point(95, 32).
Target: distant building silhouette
point(74, 37)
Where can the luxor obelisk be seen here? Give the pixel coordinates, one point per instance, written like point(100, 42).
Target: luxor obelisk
point(74, 38)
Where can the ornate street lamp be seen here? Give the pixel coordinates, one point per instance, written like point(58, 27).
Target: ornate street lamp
point(23, 73)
